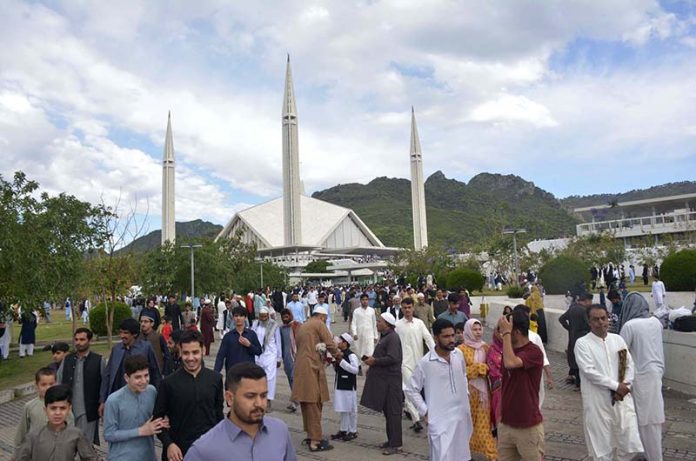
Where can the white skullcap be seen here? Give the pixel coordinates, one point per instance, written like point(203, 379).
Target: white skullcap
point(320, 310)
point(206, 301)
point(264, 310)
point(396, 298)
point(388, 318)
point(347, 337)
point(421, 295)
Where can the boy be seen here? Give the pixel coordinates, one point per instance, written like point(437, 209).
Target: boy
point(167, 327)
point(56, 441)
point(128, 424)
point(34, 414)
point(58, 350)
point(346, 397)
point(458, 334)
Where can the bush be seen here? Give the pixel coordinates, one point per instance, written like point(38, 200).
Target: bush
point(515, 292)
point(678, 271)
point(562, 274)
point(465, 278)
point(97, 317)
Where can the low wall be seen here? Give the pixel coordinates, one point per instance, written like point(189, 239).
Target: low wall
point(679, 347)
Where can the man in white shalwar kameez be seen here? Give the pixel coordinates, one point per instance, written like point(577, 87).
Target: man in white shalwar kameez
point(364, 328)
point(269, 336)
point(441, 374)
point(412, 333)
point(346, 392)
point(643, 335)
point(607, 427)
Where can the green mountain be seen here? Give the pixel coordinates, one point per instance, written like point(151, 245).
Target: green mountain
point(184, 230)
point(459, 214)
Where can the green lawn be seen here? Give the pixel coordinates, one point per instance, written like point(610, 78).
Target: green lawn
point(58, 329)
point(16, 371)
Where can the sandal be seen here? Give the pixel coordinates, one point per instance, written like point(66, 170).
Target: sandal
point(323, 446)
point(391, 451)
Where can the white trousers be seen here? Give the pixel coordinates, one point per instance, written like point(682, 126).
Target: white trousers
point(349, 421)
point(620, 456)
point(410, 408)
point(651, 436)
point(26, 349)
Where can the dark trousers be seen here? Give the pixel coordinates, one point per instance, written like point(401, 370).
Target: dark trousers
point(392, 413)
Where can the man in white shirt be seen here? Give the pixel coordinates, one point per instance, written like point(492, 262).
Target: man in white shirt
point(363, 327)
point(658, 291)
point(608, 410)
point(312, 296)
point(643, 336)
point(412, 333)
point(322, 302)
point(441, 375)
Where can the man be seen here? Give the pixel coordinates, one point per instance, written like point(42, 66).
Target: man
point(453, 314)
point(151, 308)
point(381, 301)
point(607, 371)
point(575, 321)
point(614, 298)
point(239, 345)
point(643, 335)
point(363, 327)
point(128, 424)
point(632, 274)
point(440, 304)
point(312, 296)
point(413, 334)
point(423, 311)
point(268, 334)
point(191, 398)
point(288, 335)
point(309, 386)
point(658, 290)
point(157, 342)
point(383, 385)
point(322, 302)
point(441, 377)
point(395, 309)
point(297, 308)
point(82, 372)
point(173, 311)
point(537, 341)
point(521, 430)
point(245, 433)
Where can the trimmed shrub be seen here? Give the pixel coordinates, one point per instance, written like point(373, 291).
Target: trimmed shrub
point(465, 278)
point(678, 271)
point(97, 317)
point(515, 292)
point(563, 273)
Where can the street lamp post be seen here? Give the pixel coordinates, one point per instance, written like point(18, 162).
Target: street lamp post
point(260, 261)
point(514, 233)
point(192, 247)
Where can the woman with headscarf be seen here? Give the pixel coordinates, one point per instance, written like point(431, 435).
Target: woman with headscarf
point(536, 305)
point(475, 352)
point(494, 360)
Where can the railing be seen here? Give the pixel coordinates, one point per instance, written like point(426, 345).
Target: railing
point(630, 227)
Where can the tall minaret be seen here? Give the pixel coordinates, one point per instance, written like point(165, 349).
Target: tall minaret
point(420, 225)
point(292, 187)
point(168, 222)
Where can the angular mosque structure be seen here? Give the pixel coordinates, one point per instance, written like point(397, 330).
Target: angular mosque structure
point(168, 215)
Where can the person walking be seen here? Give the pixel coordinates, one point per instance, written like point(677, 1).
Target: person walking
point(346, 390)
point(173, 311)
point(27, 334)
point(574, 320)
point(363, 326)
point(288, 334)
point(207, 326)
point(240, 344)
point(268, 334)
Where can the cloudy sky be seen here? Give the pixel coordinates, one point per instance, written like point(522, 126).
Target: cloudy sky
point(579, 97)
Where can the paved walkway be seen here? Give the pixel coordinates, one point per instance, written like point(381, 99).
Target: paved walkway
point(562, 421)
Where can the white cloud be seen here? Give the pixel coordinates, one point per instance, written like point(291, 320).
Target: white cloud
point(511, 108)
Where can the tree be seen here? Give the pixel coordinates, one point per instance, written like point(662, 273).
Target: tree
point(317, 267)
point(465, 278)
point(598, 249)
point(678, 271)
point(412, 264)
point(562, 274)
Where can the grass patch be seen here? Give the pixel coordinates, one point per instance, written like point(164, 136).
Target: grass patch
point(16, 371)
point(58, 329)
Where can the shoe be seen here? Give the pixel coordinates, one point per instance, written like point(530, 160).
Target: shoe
point(391, 451)
point(291, 408)
point(408, 415)
point(323, 446)
point(339, 435)
point(417, 427)
point(383, 445)
point(350, 436)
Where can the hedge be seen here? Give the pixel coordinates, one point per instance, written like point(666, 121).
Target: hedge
point(465, 278)
point(678, 271)
point(97, 317)
point(563, 273)
point(515, 292)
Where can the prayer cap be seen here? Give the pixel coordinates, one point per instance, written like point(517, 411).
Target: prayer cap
point(320, 310)
point(388, 318)
point(347, 338)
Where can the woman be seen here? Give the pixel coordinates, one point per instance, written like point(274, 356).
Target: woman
point(494, 360)
point(207, 325)
point(475, 351)
point(536, 305)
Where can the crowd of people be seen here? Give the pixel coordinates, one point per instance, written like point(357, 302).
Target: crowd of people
point(421, 351)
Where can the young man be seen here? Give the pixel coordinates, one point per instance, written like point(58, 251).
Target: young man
point(413, 334)
point(363, 326)
point(383, 384)
point(56, 441)
point(34, 414)
point(157, 342)
point(288, 333)
point(58, 351)
point(245, 433)
point(240, 344)
point(521, 430)
point(82, 372)
point(658, 290)
point(297, 308)
point(452, 313)
point(321, 301)
point(536, 340)
point(173, 311)
point(27, 334)
point(128, 424)
point(441, 376)
point(174, 353)
point(268, 334)
point(346, 394)
point(575, 321)
point(191, 398)
point(112, 378)
point(608, 411)
point(154, 312)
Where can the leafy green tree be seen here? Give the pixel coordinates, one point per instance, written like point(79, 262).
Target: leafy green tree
point(678, 271)
point(433, 259)
point(597, 249)
point(562, 274)
point(465, 278)
point(317, 267)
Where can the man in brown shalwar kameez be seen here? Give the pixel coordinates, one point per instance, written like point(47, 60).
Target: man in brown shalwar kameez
point(309, 383)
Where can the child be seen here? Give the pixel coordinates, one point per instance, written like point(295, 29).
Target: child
point(459, 334)
point(533, 324)
point(346, 396)
point(27, 335)
point(34, 415)
point(167, 327)
point(59, 350)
